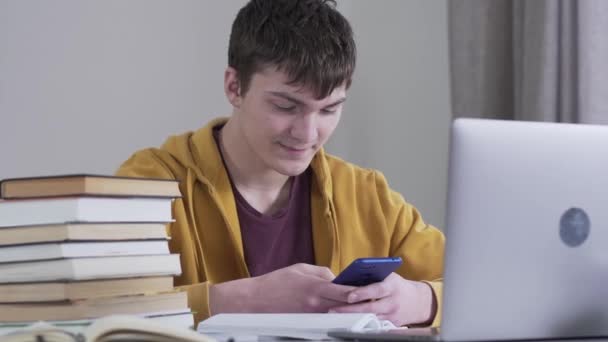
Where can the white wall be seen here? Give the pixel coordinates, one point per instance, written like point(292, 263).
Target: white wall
point(398, 111)
point(83, 84)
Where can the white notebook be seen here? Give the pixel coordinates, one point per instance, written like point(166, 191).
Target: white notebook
point(28, 212)
point(45, 251)
point(313, 326)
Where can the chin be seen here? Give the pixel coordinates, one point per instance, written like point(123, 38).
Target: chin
point(291, 169)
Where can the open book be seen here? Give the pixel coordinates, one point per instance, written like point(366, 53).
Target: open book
point(290, 325)
point(116, 328)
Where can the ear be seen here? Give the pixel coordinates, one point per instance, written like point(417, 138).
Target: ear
point(232, 87)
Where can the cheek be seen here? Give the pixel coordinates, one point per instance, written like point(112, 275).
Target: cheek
point(327, 127)
point(259, 121)
point(276, 126)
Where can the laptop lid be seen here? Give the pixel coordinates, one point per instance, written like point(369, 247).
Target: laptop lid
point(527, 231)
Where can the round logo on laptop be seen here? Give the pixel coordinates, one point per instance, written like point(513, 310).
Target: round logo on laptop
point(574, 227)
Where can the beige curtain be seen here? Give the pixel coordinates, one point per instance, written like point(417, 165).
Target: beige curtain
point(543, 60)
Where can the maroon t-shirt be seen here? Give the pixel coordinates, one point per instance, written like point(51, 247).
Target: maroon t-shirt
point(276, 241)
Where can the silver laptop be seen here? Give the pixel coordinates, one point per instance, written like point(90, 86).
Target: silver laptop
point(527, 233)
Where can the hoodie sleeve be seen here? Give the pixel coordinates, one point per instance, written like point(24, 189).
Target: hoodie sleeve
point(419, 244)
point(153, 163)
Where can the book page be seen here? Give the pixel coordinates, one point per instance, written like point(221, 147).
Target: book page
point(38, 331)
point(117, 327)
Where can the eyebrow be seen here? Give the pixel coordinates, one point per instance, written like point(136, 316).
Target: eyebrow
point(298, 102)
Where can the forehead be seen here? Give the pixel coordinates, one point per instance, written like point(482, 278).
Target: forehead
point(270, 80)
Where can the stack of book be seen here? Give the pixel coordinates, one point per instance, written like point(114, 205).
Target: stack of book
point(78, 247)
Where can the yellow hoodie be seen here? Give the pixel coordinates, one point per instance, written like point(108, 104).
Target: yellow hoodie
point(354, 214)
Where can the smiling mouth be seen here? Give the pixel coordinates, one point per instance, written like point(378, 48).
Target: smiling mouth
point(296, 149)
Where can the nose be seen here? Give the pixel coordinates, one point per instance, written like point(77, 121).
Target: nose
point(304, 128)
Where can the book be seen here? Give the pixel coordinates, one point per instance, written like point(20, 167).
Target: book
point(309, 326)
point(175, 318)
point(87, 184)
point(45, 251)
point(90, 268)
point(28, 212)
point(95, 307)
point(63, 291)
point(109, 231)
point(107, 329)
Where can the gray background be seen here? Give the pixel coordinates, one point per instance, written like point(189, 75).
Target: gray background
point(83, 84)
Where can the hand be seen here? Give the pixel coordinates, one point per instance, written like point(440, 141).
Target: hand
point(297, 288)
point(401, 301)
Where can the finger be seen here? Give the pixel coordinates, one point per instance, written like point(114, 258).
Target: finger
point(335, 292)
point(318, 271)
point(373, 291)
point(378, 307)
point(323, 305)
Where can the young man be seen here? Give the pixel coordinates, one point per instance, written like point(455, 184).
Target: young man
point(267, 218)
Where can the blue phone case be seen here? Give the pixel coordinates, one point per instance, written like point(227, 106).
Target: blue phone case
point(365, 271)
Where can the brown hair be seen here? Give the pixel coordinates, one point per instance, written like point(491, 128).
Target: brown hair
point(309, 40)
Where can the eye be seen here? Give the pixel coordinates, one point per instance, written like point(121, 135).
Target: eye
point(328, 111)
point(285, 108)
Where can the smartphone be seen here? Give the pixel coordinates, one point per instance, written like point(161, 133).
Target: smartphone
point(365, 271)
